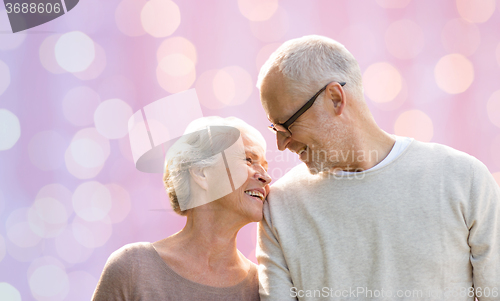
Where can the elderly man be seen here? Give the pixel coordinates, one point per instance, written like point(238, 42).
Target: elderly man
point(369, 216)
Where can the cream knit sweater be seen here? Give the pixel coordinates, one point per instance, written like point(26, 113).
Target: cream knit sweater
point(424, 227)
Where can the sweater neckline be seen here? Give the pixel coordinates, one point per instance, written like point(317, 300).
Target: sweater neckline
point(199, 286)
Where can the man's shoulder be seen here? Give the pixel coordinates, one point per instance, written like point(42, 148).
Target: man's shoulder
point(293, 177)
point(441, 154)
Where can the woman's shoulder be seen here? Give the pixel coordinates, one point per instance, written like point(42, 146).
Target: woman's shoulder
point(130, 254)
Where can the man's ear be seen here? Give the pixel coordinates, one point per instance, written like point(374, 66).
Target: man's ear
point(199, 176)
point(337, 96)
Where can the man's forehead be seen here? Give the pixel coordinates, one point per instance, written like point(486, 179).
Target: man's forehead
point(276, 101)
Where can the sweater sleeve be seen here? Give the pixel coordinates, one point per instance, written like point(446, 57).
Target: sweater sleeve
point(115, 283)
point(275, 282)
point(484, 233)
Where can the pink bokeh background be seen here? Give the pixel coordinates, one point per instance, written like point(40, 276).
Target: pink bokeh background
point(69, 192)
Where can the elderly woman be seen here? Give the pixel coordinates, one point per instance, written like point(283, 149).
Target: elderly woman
point(200, 262)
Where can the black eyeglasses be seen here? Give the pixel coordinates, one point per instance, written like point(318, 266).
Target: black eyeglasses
point(283, 127)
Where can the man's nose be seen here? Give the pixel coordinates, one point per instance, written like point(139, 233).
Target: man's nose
point(282, 141)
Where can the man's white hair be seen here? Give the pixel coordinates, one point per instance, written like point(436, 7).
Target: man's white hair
point(310, 62)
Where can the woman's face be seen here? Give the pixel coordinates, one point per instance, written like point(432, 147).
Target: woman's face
point(249, 198)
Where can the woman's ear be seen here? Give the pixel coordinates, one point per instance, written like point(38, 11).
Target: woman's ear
point(199, 176)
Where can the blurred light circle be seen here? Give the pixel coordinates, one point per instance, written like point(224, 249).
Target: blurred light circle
point(175, 84)
point(92, 201)
point(205, 90)
point(79, 105)
point(476, 11)
point(454, 73)
point(272, 29)
point(160, 18)
point(49, 281)
point(415, 124)
point(460, 36)
point(75, 51)
point(96, 67)
point(125, 148)
point(9, 293)
point(46, 150)
point(382, 82)
point(111, 118)
point(493, 108)
point(69, 249)
point(176, 64)
point(19, 231)
point(404, 39)
point(81, 166)
point(92, 234)
point(4, 76)
point(87, 153)
point(47, 217)
point(81, 285)
point(264, 54)
point(47, 54)
point(177, 45)
point(258, 10)
point(393, 3)
point(10, 129)
point(120, 203)
point(9, 40)
point(59, 192)
point(230, 80)
point(2, 250)
point(128, 17)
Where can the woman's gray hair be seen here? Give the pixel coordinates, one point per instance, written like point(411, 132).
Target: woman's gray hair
point(195, 150)
point(310, 62)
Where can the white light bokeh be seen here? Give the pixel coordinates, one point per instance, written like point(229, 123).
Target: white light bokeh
point(92, 234)
point(98, 150)
point(69, 249)
point(174, 84)
point(4, 76)
point(120, 203)
point(74, 51)
point(273, 29)
point(393, 3)
point(19, 231)
point(79, 105)
point(128, 17)
point(47, 217)
point(10, 129)
point(160, 18)
point(264, 54)
point(404, 39)
point(460, 36)
point(382, 82)
point(59, 192)
point(96, 67)
point(205, 90)
point(454, 73)
point(49, 281)
point(476, 11)
point(81, 285)
point(92, 201)
point(493, 108)
point(80, 18)
point(9, 292)
point(232, 85)
point(9, 40)
point(177, 45)
point(46, 150)
point(258, 10)
point(111, 118)
point(47, 54)
point(415, 124)
point(176, 64)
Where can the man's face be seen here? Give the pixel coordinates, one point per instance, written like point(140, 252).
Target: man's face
point(317, 137)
